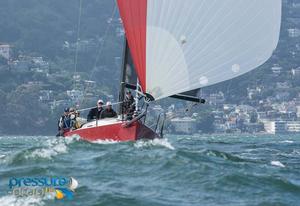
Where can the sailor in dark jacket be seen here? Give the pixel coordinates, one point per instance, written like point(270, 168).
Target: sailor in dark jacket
point(64, 123)
point(108, 112)
point(95, 113)
point(128, 103)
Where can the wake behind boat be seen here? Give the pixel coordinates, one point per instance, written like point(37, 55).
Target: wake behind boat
point(173, 48)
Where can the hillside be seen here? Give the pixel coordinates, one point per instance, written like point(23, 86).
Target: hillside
point(38, 81)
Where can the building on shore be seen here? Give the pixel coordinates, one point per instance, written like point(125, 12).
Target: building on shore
point(293, 126)
point(294, 32)
point(276, 70)
point(281, 127)
point(5, 51)
point(298, 112)
point(185, 125)
point(296, 72)
point(216, 99)
point(253, 127)
point(75, 95)
point(275, 127)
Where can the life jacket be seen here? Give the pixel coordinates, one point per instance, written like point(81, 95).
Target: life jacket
point(66, 122)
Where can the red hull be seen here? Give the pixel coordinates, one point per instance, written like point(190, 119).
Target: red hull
point(115, 131)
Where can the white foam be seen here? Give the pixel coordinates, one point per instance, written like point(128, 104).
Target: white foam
point(277, 164)
point(11, 200)
point(52, 148)
point(99, 141)
point(155, 142)
point(71, 139)
point(3, 158)
point(48, 153)
point(287, 141)
point(296, 152)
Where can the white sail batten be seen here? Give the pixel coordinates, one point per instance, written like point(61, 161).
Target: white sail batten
point(192, 44)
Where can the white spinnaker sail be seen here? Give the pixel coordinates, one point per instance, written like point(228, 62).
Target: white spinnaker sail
point(192, 44)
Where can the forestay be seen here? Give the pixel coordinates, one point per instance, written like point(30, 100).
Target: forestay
point(178, 46)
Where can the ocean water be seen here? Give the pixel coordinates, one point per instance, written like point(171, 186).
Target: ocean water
point(178, 170)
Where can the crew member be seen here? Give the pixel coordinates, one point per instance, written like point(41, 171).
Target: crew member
point(108, 112)
point(95, 113)
point(73, 114)
point(128, 105)
point(64, 123)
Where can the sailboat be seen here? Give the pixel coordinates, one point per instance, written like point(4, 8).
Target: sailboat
point(174, 47)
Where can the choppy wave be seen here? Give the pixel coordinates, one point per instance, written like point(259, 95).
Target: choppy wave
point(177, 170)
point(47, 149)
point(155, 142)
point(224, 155)
point(51, 149)
point(11, 200)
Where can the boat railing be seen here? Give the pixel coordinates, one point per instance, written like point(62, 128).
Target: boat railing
point(140, 116)
point(86, 109)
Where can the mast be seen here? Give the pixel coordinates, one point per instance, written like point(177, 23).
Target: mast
point(123, 77)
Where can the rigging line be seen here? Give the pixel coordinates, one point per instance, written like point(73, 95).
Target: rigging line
point(105, 36)
point(100, 45)
point(77, 41)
